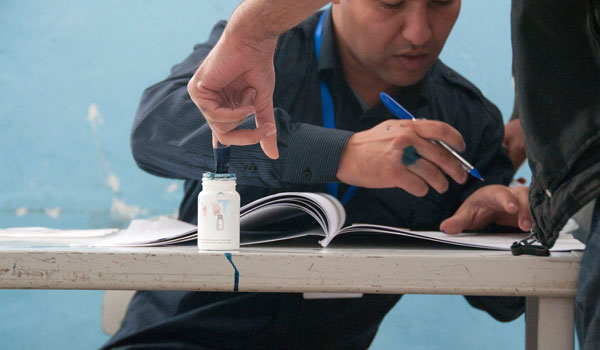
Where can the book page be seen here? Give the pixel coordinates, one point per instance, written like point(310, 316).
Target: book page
point(143, 232)
point(327, 211)
point(496, 241)
point(290, 215)
point(49, 233)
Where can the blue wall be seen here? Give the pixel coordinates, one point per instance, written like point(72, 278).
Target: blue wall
point(71, 73)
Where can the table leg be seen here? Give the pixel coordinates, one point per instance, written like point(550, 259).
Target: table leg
point(549, 323)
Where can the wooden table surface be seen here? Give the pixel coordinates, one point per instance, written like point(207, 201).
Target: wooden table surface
point(393, 266)
point(347, 266)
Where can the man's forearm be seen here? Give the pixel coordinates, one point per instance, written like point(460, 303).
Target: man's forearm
point(266, 19)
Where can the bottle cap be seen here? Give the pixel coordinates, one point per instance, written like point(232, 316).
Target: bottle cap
point(219, 177)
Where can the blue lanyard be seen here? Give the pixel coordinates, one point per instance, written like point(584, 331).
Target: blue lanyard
point(328, 114)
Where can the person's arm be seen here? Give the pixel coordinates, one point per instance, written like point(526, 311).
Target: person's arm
point(171, 138)
point(257, 20)
point(237, 78)
point(514, 140)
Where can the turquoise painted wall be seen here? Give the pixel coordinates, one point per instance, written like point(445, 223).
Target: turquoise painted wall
point(71, 73)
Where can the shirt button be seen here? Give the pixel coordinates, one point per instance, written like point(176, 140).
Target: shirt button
point(306, 175)
point(250, 168)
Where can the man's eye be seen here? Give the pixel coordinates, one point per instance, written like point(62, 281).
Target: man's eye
point(391, 4)
point(442, 2)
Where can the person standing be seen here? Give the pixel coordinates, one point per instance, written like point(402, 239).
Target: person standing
point(556, 49)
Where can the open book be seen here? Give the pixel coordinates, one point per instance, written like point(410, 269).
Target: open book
point(290, 215)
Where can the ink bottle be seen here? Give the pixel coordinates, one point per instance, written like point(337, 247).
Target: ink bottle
point(218, 213)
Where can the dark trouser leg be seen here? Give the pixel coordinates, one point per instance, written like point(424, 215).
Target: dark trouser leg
point(503, 309)
point(194, 320)
point(587, 301)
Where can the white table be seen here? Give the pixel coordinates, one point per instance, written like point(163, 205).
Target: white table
point(549, 283)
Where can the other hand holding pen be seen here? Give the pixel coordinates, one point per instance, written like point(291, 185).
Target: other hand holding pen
point(402, 113)
point(398, 153)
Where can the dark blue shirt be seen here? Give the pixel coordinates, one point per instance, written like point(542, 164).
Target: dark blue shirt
point(171, 139)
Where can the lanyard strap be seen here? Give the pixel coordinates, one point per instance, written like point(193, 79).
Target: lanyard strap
point(328, 113)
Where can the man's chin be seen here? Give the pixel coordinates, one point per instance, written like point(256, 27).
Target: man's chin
point(406, 80)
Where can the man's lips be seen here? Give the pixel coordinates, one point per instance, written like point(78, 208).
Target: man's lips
point(412, 61)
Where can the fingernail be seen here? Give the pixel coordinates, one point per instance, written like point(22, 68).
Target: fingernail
point(512, 206)
point(527, 224)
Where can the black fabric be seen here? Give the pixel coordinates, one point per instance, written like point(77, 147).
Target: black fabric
point(556, 48)
point(170, 138)
point(503, 309)
point(249, 321)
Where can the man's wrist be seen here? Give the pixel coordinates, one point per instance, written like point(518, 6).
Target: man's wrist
point(265, 20)
point(247, 24)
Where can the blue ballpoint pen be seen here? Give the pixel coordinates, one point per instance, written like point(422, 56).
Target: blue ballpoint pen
point(402, 113)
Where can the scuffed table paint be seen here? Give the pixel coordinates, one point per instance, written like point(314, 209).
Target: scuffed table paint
point(387, 266)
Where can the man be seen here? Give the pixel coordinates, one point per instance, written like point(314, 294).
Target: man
point(366, 47)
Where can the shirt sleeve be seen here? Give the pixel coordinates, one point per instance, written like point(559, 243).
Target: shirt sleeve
point(170, 137)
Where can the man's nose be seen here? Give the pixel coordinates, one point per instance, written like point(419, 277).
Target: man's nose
point(417, 29)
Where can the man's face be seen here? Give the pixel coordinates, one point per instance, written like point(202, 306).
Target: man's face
point(396, 41)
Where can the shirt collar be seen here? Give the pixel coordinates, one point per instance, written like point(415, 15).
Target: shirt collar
point(329, 59)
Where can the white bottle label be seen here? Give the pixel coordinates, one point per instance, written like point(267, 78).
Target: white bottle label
point(218, 220)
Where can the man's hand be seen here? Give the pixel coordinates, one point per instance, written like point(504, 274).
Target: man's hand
point(514, 142)
point(398, 153)
point(237, 78)
point(235, 81)
point(493, 204)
